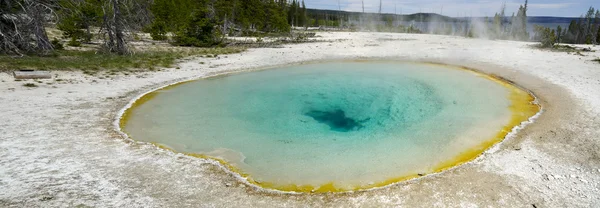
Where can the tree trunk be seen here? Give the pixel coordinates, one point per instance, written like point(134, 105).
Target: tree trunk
point(36, 11)
point(118, 23)
point(113, 23)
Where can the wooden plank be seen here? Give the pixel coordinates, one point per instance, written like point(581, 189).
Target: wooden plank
point(32, 75)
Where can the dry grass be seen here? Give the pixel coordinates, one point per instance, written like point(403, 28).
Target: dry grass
point(146, 55)
point(90, 60)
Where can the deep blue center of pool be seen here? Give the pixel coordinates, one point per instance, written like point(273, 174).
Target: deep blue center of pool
point(336, 119)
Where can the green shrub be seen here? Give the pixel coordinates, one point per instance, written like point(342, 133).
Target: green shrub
point(93, 61)
point(74, 43)
point(76, 17)
point(598, 36)
point(547, 37)
point(158, 30)
point(29, 85)
point(57, 45)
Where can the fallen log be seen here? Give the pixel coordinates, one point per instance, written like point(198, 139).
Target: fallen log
point(23, 74)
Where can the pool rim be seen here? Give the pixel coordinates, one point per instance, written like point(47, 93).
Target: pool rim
point(122, 114)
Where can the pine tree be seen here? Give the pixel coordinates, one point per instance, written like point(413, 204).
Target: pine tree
point(580, 30)
point(589, 30)
point(597, 25)
point(520, 23)
point(303, 17)
point(572, 32)
point(559, 34)
point(512, 28)
point(76, 18)
point(276, 20)
point(524, 19)
point(498, 22)
point(546, 36)
point(598, 36)
point(292, 13)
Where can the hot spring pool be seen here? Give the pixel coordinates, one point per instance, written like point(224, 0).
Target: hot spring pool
point(333, 126)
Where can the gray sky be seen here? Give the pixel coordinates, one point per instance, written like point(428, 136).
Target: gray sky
point(452, 8)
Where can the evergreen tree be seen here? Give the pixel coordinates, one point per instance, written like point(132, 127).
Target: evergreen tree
point(225, 11)
point(546, 36)
point(499, 22)
point(589, 26)
point(75, 18)
point(598, 36)
point(595, 27)
point(559, 34)
point(580, 30)
point(572, 32)
point(292, 13)
point(198, 30)
point(275, 18)
point(303, 18)
point(513, 19)
point(520, 23)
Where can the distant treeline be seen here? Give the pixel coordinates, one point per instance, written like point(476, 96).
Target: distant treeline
point(583, 30)
point(322, 17)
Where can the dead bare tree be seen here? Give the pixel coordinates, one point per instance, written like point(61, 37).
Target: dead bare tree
point(22, 26)
point(10, 36)
point(363, 6)
point(37, 10)
point(114, 38)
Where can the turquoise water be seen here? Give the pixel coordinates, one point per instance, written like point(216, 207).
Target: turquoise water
point(350, 124)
